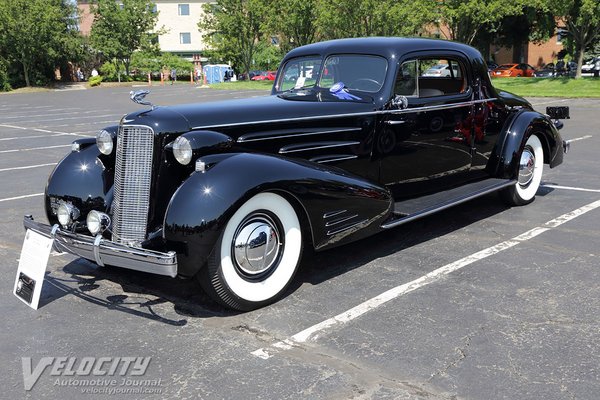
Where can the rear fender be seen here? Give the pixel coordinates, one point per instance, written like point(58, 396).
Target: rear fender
point(504, 160)
point(338, 207)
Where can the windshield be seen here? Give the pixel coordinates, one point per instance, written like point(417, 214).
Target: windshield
point(356, 72)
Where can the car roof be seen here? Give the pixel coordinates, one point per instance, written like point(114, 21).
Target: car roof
point(384, 46)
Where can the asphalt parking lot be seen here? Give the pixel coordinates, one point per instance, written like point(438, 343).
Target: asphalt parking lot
point(479, 302)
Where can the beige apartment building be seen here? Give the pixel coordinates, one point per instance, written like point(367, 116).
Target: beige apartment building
point(179, 18)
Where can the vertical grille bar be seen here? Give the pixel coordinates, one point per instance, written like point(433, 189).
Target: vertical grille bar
point(133, 174)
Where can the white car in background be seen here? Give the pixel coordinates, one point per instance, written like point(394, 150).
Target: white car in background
point(591, 67)
point(441, 70)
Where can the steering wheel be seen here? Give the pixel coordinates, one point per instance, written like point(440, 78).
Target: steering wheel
point(366, 84)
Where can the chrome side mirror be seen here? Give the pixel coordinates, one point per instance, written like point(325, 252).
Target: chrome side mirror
point(399, 102)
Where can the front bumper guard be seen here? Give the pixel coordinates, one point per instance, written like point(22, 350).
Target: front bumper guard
point(102, 251)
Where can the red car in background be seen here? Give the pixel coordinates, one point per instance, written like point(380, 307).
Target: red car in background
point(265, 76)
point(512, 70)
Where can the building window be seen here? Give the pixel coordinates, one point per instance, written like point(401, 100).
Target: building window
point(184, 9)
point(561, 34)
point(185, 38)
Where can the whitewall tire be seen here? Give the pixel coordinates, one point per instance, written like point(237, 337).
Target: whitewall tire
point(256, 255)
point(529, 177)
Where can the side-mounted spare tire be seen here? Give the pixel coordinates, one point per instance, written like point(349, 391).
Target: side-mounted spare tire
point(256, 256)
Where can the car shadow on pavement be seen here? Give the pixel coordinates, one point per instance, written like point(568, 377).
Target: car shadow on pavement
point(145, 295)
point(142, 295)
point(319, 267)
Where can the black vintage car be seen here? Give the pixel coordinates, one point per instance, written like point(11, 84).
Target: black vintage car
point(353, 140)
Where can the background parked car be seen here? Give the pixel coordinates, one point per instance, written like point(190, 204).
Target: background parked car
point(547, 71)
point(265, 76)
point(591, 66)
point(441, 70)
point(491, 66)
point(513, 70)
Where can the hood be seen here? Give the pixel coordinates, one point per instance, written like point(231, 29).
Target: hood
point(308, 103)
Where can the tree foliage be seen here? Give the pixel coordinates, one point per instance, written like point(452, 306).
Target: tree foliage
point(294, 23)
point(120, 28)
point(357, 18)
point(234, 28)
point(37, 36)
point(582, 22)
point(466, 18)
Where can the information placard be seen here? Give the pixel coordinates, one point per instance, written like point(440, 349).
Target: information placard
point(32, 268)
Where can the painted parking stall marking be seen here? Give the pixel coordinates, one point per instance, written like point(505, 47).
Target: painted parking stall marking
point(21, 197)
point(26, 167)
point(570, 188)
point(35, 148)
point(313, 332)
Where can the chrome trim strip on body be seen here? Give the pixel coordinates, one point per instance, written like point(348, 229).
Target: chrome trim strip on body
point(333, 213)
point(107, 252)
point(288, 149)
point(345, 228)
point(250, 138)
point(326, 159)
point(359, 114)
point(339, 221)
point(432, 210)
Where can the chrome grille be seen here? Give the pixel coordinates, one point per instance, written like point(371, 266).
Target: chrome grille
point(133, 174)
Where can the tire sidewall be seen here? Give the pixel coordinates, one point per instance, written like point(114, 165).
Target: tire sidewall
point(527, 194)
point(251, 294)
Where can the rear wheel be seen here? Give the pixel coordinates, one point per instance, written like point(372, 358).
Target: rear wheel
point(531, 165)
point(256, 255)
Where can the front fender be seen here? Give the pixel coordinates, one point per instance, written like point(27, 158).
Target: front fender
point(338, 207)
point(82, 179)
point(504, 160)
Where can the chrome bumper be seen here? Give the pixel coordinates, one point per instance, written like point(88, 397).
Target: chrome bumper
point(102, 251)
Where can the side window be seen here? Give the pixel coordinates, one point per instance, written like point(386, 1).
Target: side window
point(406, 82)
point(430, 77)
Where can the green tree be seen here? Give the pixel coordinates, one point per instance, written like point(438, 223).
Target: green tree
point(120, 28)
point(294, 23)
point(535, 23)
point(465, 19)
point(234, 28)
point(582, 21)
point(36, 35)
point(357, 18)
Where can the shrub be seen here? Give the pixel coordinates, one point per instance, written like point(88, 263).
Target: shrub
point(95, 80)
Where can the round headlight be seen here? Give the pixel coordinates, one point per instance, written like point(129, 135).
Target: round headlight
point(104, 141)
point(182, 150)
point(66, 214)
point(97, 222)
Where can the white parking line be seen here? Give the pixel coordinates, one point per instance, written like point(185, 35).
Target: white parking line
point(312, 332)
point(35, 148)
point(21, 197)
point(570, 188)
point(33, 137)
point(550, 102)
point(580, 138)
point(26, 167)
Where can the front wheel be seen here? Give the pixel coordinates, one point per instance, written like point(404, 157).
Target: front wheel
point(256, 255)
point(531, 165)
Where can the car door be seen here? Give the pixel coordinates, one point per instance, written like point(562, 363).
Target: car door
point(426, 147)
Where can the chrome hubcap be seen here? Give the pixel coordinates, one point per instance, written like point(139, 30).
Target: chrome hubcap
point(256, 244)
point(526, 167)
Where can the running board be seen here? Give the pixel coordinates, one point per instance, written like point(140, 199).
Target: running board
point(412, 209)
